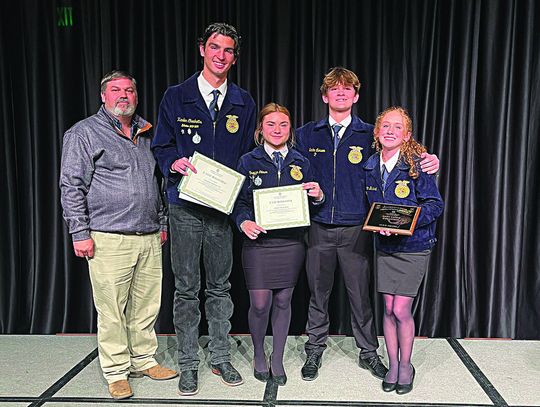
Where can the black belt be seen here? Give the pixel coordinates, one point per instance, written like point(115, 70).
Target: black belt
point(129, 233)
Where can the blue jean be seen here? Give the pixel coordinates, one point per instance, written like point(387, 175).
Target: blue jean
point(195, 232)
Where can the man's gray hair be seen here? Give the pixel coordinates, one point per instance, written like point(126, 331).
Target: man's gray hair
point(116, 74)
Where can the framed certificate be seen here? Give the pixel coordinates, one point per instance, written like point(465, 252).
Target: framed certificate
point(214, 185)
point(399, 219)
point(281, 207)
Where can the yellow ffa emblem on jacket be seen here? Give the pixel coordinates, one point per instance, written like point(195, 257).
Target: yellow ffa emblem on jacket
point(296, 172)
point(355, 155)
point(232, 124)
point(402, 190)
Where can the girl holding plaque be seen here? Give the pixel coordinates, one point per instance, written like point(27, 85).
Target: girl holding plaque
point(272, 259)
point(393, 176)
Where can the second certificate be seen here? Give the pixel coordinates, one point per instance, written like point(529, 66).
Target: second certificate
point(281, 207)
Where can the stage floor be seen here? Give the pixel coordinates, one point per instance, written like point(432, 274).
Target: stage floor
point(64, 371)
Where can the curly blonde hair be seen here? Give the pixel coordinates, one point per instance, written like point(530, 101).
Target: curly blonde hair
point(411, 149)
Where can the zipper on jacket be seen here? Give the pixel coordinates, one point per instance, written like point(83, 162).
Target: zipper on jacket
point(214, 143)
point(384, 186)
point(334, 188)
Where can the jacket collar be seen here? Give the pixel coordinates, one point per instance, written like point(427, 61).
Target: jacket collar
point(259, 153)
point(137, 122)
point(356, 125)
point(374, 162)
point(193, 95)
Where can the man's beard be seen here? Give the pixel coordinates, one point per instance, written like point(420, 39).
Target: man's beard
point(128, 111)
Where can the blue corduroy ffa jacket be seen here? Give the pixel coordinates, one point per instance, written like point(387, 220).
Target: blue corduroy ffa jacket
point(185, 126)
point(422, 192)
point(341, 176)
point(261, 172)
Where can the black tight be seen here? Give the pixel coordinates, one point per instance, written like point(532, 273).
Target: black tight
point(398, 325)
point(262, 302)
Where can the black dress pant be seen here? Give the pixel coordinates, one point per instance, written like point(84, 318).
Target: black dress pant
point(352, 249)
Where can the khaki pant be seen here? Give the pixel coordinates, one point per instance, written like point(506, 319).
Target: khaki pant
point(126, 280)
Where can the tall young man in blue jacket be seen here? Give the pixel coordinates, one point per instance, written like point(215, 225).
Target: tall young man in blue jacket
point(208, 114)
point(337, 147)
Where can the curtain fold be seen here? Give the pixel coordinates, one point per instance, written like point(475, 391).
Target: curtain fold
point(467, 71)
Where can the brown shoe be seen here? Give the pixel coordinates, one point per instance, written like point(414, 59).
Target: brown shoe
point(120, 390)
point(156, 372)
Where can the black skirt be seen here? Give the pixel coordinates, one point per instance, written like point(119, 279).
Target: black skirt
point(273, 263)
point(401, 273)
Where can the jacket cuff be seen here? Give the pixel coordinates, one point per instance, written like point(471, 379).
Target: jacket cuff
point(171, 174)
point(317, 203)
point(241, 219)
point(82, 235)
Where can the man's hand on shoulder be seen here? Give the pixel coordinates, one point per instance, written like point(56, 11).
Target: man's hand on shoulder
point(429, 163)
point(84, 248)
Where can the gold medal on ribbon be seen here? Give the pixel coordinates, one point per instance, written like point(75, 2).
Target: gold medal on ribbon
point(296, 172)
point(232, 124)
point(355, 155)
point(402, 190)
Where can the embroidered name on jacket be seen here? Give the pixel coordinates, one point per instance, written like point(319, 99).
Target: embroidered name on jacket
point(315, 150)
point(189, 123)
point(258, 172)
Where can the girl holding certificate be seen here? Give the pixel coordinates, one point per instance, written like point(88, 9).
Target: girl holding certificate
point(271, 259)
point(393, 176)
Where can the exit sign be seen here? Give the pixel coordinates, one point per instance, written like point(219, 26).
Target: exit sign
point(64, 16)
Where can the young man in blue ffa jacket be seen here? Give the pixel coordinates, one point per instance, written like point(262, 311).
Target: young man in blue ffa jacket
point(337, 147)
point(208, 114)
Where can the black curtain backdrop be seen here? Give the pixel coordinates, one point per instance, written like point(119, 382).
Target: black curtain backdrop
point(468, 71)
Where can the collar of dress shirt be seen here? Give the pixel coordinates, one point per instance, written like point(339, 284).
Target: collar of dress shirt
point(118, 124)
point(345, 123)
point(270, 151)
point(391, 163)
point(206, 90)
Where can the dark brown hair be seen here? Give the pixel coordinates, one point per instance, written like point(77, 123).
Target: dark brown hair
point(226, 30)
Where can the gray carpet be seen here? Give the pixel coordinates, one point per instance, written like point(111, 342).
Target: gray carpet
point(64, 371)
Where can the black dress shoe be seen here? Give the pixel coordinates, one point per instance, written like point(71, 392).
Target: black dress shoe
point(374, 365)
point(388, 387)
point(280, 380)
point(188, 384)
point(406, 388)
point(310, 370)
point(261, 376)
point(229, 375)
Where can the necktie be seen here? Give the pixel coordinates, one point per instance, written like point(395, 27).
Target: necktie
point(213, 108)
point(278, 160)
point(336, 128)
point(384, 175)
